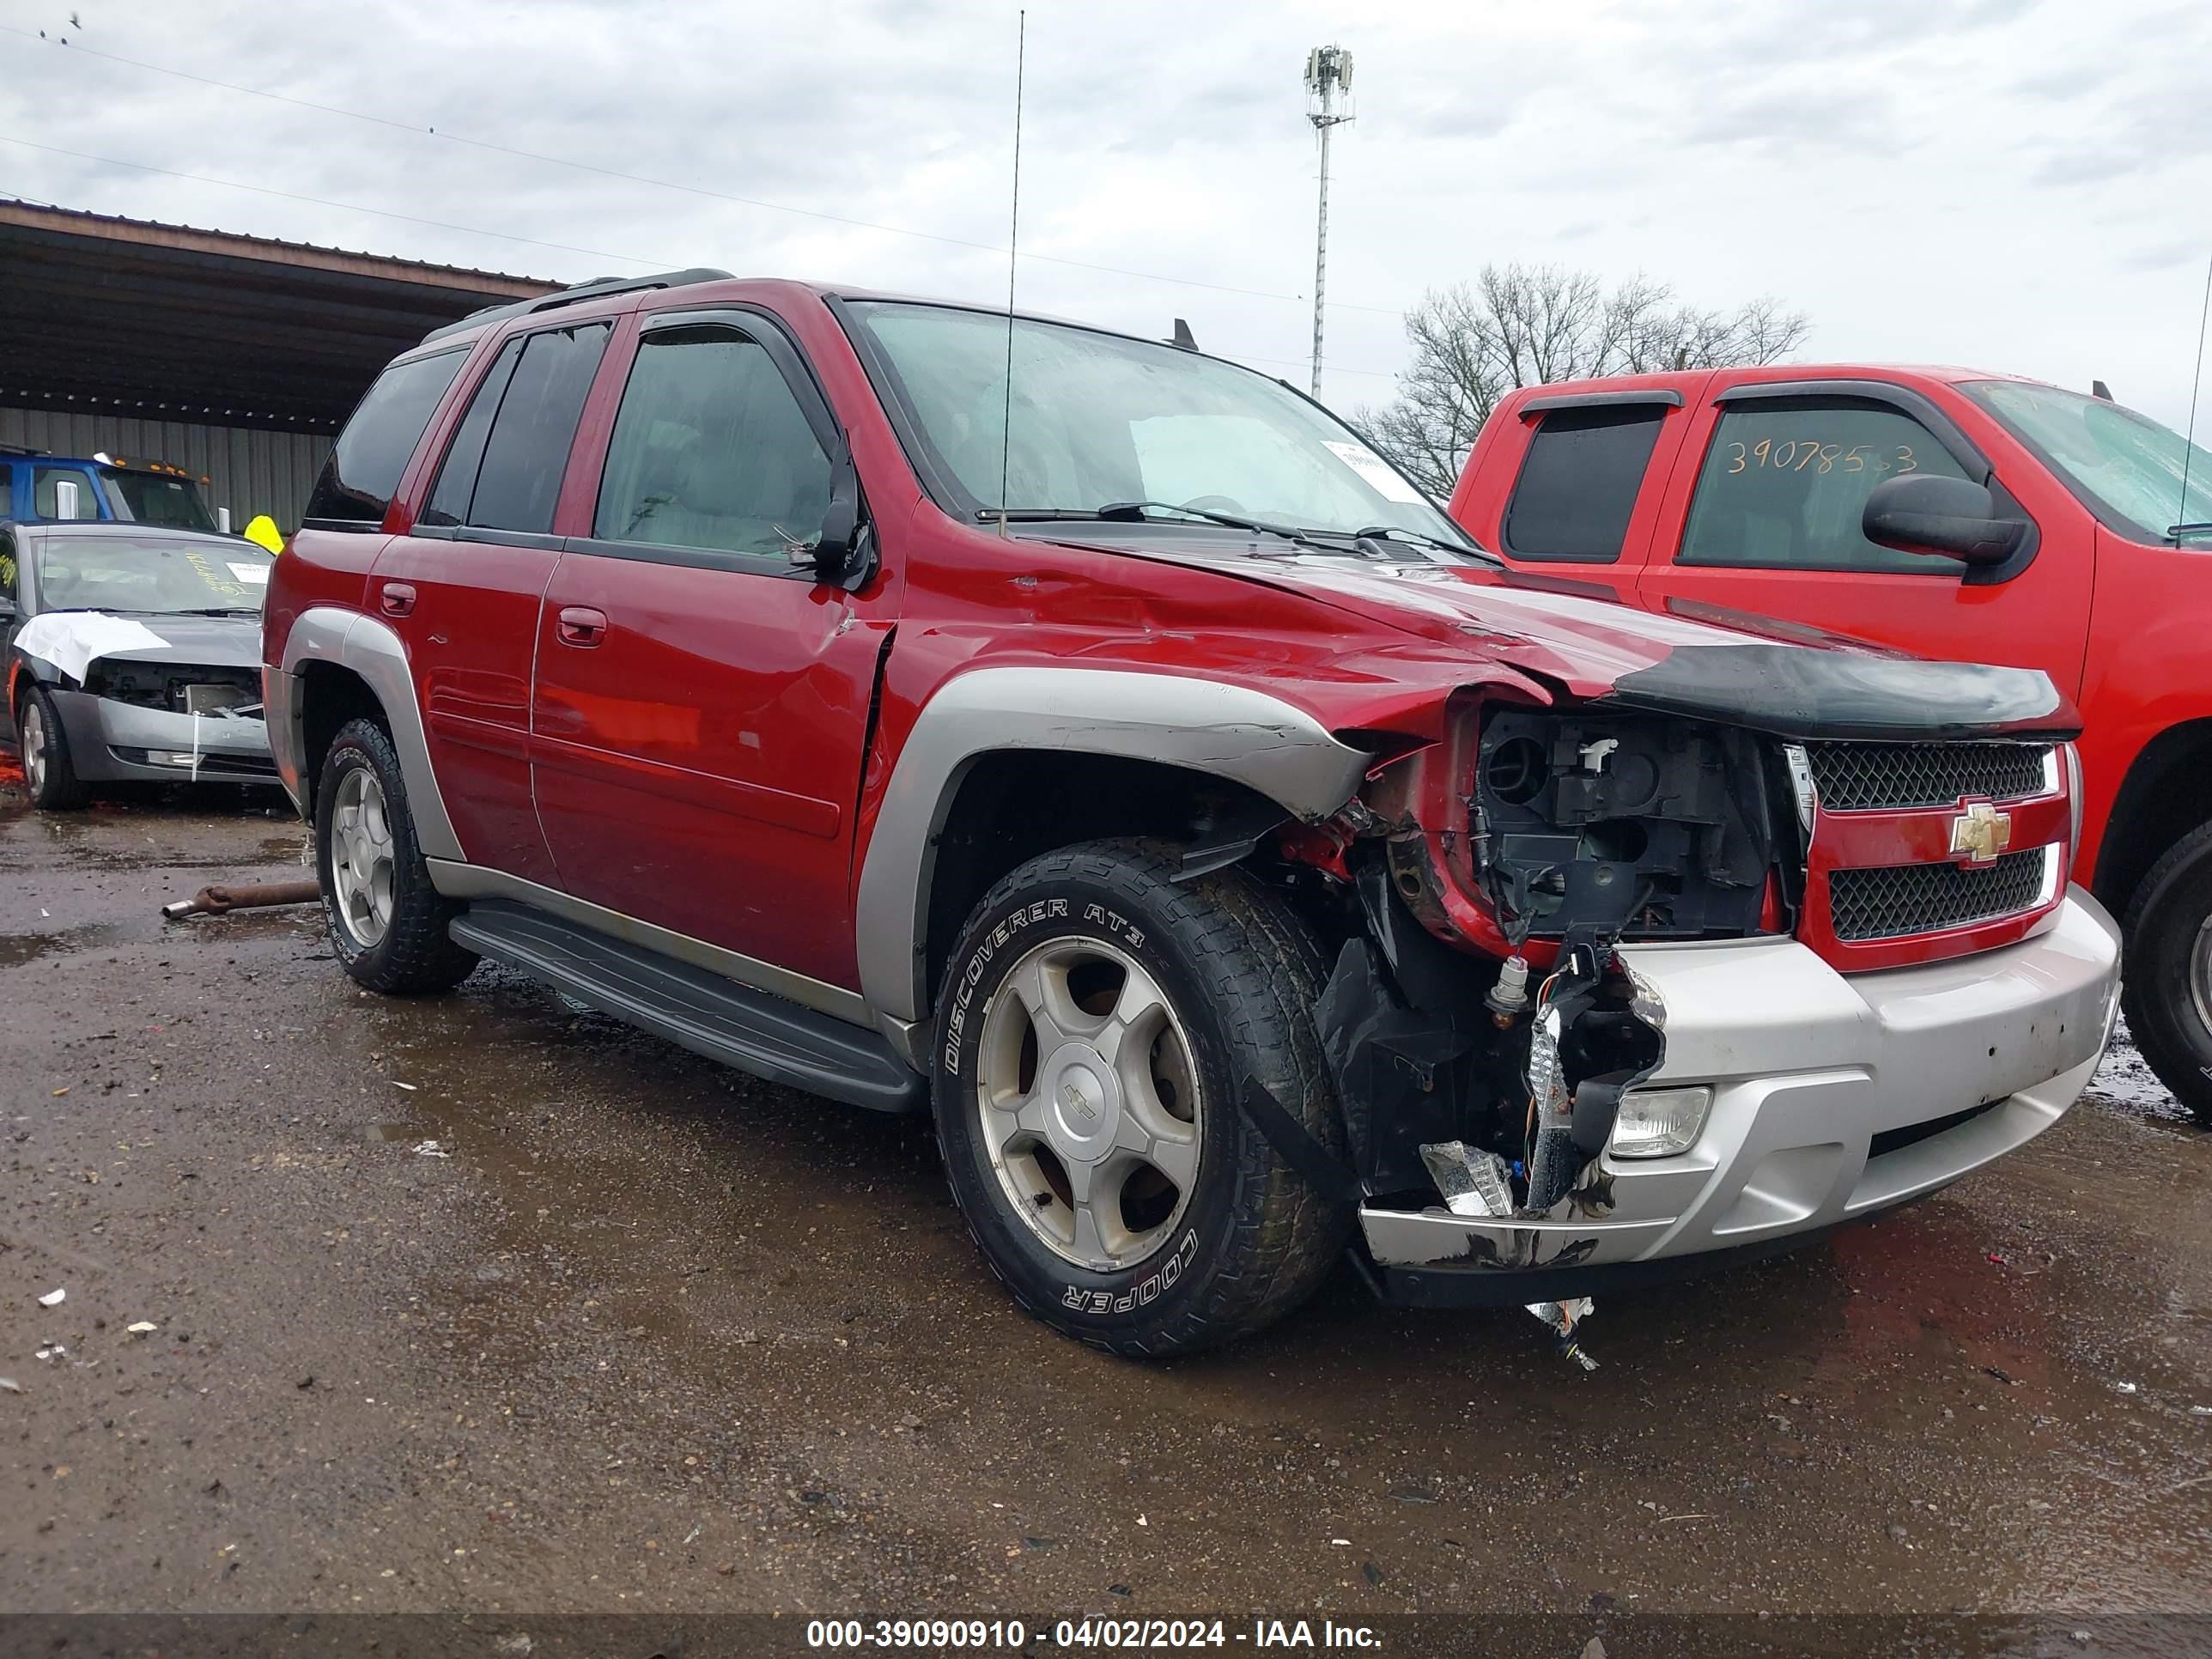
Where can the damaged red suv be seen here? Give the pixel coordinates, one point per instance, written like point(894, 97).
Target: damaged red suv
point(1242, 865)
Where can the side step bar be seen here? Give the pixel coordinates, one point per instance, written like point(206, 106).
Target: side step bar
point(710, 1015)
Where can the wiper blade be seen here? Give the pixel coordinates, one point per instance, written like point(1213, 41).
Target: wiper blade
point(1135, 512)
point(1398, 532)
point(2176, 531)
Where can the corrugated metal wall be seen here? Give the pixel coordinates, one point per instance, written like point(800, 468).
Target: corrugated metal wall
point(248, 471)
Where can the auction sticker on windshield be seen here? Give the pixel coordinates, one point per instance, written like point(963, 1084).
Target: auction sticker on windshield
point(1376, 472)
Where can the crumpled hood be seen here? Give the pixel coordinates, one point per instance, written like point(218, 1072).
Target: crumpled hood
point(1580, 636)
point(71, 640)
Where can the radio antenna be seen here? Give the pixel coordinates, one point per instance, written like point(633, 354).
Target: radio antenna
point(1013, 241)
point(2189, 443)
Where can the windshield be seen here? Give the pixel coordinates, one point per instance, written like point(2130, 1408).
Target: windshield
point(150, 498)
point(1101, 421)
point(144, 574)
point(2122, 466)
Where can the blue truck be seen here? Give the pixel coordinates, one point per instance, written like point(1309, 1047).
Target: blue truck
point(36, 488)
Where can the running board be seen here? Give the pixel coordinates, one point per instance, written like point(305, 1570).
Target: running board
point(705, 1012)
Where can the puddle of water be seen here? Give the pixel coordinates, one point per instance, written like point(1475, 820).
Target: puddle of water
point(406, 1132)
point(2126, 1083)
point(17, 949)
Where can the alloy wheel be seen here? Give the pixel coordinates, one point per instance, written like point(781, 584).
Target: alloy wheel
point(362, 864)
point(1089, 1103)
point(2200, 974)
point(36, 755)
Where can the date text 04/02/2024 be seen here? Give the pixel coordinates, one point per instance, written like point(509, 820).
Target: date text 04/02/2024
point(940, 1634)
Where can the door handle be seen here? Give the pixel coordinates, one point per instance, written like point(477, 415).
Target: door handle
point(580, 625)
point(396, 599)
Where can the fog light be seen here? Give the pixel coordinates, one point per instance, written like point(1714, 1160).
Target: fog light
point(170, 757)
point(1660, 1122)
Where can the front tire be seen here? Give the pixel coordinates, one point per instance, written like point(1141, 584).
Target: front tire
point(49, 774)
point(388, 923)
point(1095, 1028)
point(2165, 989)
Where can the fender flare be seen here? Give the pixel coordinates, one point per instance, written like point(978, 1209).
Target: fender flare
point(348, 640)
point(1230, 731)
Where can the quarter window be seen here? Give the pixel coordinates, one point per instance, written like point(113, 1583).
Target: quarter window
point(1578, 483)
point(711, 450)
point(357, 482)
point(1783, 486)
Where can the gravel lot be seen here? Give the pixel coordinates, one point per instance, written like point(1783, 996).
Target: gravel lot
point(478, 1302)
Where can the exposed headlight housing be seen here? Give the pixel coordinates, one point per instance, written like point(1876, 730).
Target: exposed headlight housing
point(1660, 1122)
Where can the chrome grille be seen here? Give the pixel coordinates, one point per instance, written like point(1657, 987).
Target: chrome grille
point(1853, 777)
point(1899, 899)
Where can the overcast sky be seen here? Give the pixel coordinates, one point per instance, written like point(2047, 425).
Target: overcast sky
point(2017, 184)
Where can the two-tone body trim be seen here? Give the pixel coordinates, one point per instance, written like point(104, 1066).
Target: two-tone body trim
point(348, 640)
point(1225, 730)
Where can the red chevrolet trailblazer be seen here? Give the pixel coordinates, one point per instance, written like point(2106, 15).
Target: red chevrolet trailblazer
point(1240, 863)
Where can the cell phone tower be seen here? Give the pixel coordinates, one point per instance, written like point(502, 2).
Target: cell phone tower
point(1328, 76)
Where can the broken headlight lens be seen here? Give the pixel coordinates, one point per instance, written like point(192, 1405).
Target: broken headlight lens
point(1660, 1122)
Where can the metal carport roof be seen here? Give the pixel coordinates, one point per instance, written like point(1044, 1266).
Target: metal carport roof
point(128, 318)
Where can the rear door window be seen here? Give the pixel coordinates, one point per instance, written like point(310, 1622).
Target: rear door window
point(1578, 483)
point(1783, 486)
point(357, 481)
point(526, 449)
point(456, 475)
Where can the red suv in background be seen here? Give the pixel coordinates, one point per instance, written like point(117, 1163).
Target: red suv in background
point(1944, 512)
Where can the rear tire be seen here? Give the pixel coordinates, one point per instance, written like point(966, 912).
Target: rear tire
point(2165, 989)
point(1094, 1031)
point(49, 774)
point(388, 922)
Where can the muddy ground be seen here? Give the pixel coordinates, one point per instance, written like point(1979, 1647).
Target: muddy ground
point(478, 1303)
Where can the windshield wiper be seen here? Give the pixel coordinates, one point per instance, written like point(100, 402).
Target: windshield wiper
point(2176, 531)
point(1397, 532)
point(1134, 512)
point(213, 611)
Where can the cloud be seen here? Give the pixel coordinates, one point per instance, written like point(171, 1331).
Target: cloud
point(1812, 153)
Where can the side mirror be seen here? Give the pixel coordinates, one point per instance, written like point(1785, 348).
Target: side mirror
point(65, 498)
point(844, 555)
point(7, 609)
point(1949, 517)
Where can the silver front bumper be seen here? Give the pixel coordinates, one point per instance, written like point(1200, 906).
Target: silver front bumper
point(230, 751)
point(1818, 1080)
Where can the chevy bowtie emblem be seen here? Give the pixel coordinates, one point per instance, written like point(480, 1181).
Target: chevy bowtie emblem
point(1980, 833)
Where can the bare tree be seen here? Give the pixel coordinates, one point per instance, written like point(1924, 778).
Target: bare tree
point(1518, 325)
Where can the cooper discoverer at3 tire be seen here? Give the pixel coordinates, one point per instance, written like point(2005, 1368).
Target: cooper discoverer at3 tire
point(1095, 1026)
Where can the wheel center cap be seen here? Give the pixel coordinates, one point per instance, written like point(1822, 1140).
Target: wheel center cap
point(1085, 1108)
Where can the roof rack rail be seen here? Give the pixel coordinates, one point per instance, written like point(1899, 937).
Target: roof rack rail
point(596, 288)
